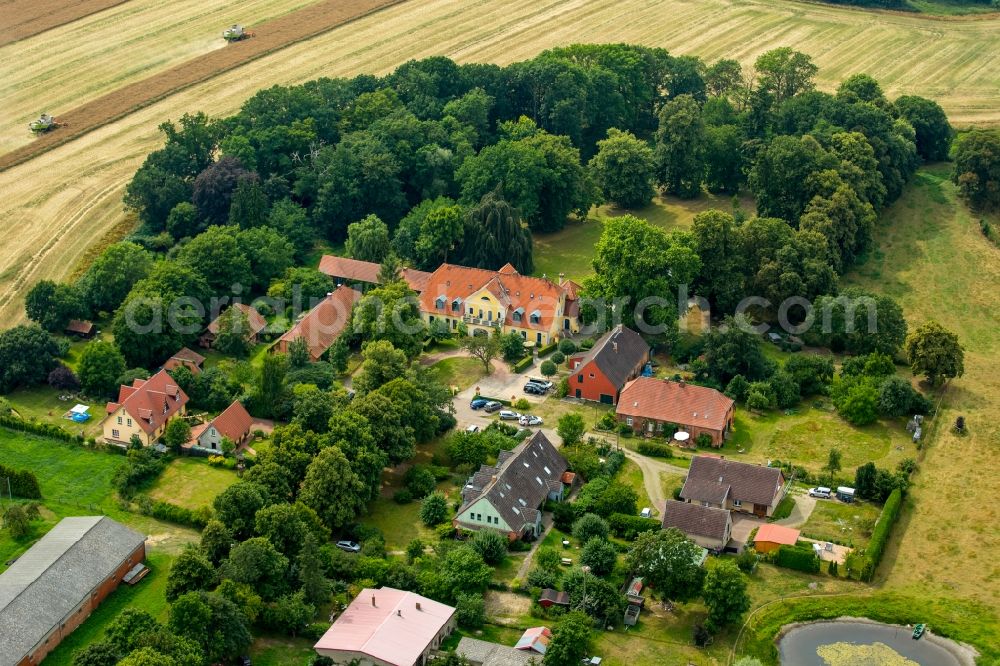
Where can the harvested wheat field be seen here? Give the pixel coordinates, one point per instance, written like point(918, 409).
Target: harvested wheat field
point(65, 200)
point(20, 19)
point(80, 61)
point(270, 36)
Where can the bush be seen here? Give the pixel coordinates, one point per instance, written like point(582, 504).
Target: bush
point(558, 357)
point(420, 481)
point(548, 368)
point(588, 526)
point(880, 535)
point(567, 347)
point(470, 610)
point(648, 448)
point(546, 349)
point(586, 343)
point(22, 483)
point(402, 496)
point(799, 559)
point(703, 440)
point(562, 388)
point(216, 461)
point(523, 364)
point(600, 555)
point(522, 405)
point(747, 560)
point(180, 515)
point(35, 428)
point(434, 510)
point(491, 545)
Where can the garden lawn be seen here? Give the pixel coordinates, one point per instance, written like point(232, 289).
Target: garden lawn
point(42, 404)
point(631, 476)
point(806, 436)
point(148, 594)
point(571, 249)
point(281, 651)
point(848, 524)
point(458, 371)
point(191, 483)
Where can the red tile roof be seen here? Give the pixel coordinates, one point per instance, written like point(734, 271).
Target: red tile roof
point(515, 293)
point(151, 403)
point(78, 326)
point(772, 533)
point(235, 422)
point(189, 355)
point(256, 321)
point(674, 402)
point(367, 271)
point(324, 323)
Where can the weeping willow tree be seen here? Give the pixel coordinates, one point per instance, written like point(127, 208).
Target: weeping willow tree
point(494, 236)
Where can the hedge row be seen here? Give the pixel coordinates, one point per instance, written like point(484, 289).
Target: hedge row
point(656, 450)
point(629, 527)
point(36, 428)
point(797, 558)
point(22, 483)
point(880, 535)
point(547, 349)
point(178, 514)
point(523, 364)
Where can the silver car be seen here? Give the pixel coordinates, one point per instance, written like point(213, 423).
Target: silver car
point(508, 415)
point(529, 420)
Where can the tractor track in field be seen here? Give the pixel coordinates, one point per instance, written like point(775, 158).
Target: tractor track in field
point(269, 37)
point(20, 19)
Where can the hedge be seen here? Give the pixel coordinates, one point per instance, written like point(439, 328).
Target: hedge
point(628, 527)
point(880, 535)
point(655, 450)
point(797, 558)
point(180, 515)
point(22, 483)
point(522, 365)
point(547, 349)
point(36, 428)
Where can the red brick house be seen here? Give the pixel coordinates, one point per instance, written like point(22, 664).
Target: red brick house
point(649, 405)
point(600, 373)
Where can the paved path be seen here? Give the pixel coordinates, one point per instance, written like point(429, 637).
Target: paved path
point(522, 571)
point(651, 469)
point(804, 506)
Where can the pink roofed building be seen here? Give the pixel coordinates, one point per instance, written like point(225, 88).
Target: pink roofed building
point(387, 627)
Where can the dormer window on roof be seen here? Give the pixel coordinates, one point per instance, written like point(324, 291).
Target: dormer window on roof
point(536, 316)
point(456, 305)
point(522, 502)
point(440, 301)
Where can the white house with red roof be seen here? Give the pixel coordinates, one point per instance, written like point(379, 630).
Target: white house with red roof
point(233, 424)
point(387, 627)
point(143, 410)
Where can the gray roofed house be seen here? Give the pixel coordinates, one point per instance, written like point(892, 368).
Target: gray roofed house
point(59, 581)
point(728, 484)
point(706, 526)
point(484, 653)
point(600, 373)
point(507, 496)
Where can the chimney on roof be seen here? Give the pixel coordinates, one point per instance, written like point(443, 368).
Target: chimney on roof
point(418, 605)
point(720, 479)
point(614, 346)
point(373, 601)
point(545, 276)
point(399, 612)
point(562, 278)
point(681, 382)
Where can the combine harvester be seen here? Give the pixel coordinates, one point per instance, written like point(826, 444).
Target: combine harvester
point(236, 33)
point(44, 123)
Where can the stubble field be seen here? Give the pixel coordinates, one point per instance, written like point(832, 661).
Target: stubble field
point(65, 200)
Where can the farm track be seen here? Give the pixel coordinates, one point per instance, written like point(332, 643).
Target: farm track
point(271, 36)
point(20, 19)
point(42, 195)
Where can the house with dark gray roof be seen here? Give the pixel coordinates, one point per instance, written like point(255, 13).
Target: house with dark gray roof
point(484, 653)
point(508, 496)
point(599, 373)
point(728, 484)
point(707, 526)
point(51, 589)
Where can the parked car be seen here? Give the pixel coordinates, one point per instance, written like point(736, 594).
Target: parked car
point(349, 546)
point(492, 406)
point(508, 415)
point(529, 420)
point(775, 338)
point(534, 389)
point(478, 403)
point(646, 512)
point(246, 661)
point(820, 491)
point(544, 383)
point(472, 428)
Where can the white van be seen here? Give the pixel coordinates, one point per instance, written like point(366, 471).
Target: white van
point(646, 512)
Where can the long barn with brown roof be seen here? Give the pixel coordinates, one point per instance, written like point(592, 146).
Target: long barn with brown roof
point(321, 326)
point(649, 406)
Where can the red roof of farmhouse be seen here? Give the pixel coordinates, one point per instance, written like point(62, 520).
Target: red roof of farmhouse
point(389, 625)
point(367, 271)
point(152, 402)
point(674, 402)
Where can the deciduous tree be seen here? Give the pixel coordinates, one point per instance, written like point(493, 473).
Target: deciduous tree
point(934, 351)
